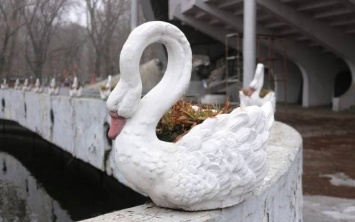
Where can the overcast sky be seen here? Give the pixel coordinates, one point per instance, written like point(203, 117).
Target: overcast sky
point(77, 14)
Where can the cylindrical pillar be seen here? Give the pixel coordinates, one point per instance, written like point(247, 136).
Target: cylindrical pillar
point(249, 42)
point(134, 14)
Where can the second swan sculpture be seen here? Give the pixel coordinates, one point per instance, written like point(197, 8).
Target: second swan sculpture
point(253, 93)
point(219, 163)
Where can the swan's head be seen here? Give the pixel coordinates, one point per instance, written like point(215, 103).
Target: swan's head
point(52, 83)
point(75, 83)
point(37, 83)
point(122, 103)
point(108, 83)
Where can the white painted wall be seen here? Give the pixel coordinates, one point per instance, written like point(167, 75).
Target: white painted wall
point(78, 126)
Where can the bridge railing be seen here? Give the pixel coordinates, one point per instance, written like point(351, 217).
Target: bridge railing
point(77, 125)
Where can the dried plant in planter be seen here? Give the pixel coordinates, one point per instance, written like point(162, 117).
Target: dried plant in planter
point(183, 116)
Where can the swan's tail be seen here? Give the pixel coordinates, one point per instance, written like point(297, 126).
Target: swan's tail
point(269, 113)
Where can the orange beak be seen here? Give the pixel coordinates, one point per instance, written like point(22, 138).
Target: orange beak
point(117, 124)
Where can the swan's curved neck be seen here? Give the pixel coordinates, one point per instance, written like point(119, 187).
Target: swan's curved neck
point(176, 78)
point(259, 76)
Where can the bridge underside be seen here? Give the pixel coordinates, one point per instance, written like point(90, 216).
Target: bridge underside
point(314, 36)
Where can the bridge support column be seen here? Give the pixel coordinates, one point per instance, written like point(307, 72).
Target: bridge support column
point(249, 42)
point(134, 14)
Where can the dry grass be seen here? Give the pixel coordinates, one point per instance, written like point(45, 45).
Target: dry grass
point(182, 117)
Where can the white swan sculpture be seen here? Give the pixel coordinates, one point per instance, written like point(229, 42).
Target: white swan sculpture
point(75, 89)
point(105, 92)
point(53, 89)
point(4, 84)
point(26, 86)
point(17, 84)
point(217, 164)
point(253, 95)
point(38, 88)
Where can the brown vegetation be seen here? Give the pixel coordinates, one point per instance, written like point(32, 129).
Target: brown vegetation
point(262, 94)
point(183, 116)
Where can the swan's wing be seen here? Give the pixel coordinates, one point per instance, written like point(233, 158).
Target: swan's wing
point(223, 156)
point(272, 98)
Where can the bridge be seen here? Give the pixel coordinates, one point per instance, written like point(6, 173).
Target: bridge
point(312, 39)
point(77, 125)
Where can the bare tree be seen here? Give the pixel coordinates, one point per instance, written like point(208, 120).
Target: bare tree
point(41, 19)
point(66, 50)
point(10, 23)
point(103, 18)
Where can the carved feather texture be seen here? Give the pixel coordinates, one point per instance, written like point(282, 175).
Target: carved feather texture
point(223, 156)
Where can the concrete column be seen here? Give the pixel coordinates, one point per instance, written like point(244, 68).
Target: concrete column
point(134, 14)
point(149, 16)
point(249, 41)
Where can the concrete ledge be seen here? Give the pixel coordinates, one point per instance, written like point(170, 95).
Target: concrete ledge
point(279, 199)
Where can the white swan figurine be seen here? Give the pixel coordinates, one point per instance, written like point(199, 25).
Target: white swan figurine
point(26, 86)
point(4, 84)
point(17, 84)
point(53, 89)
point(38, 88)
point(253, 96)
point(219, 163)
point(105, 92)
point(75, 89)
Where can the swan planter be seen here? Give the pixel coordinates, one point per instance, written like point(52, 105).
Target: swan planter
point(106, 90)
point(252, 96)
point(17, 84)
point(219, 163)
point(75, 90)
point(53, 89)
point(26, 86)
point(4, 85)
point(38, 88)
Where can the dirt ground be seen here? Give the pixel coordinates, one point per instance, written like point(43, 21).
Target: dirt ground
point(329, 148)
